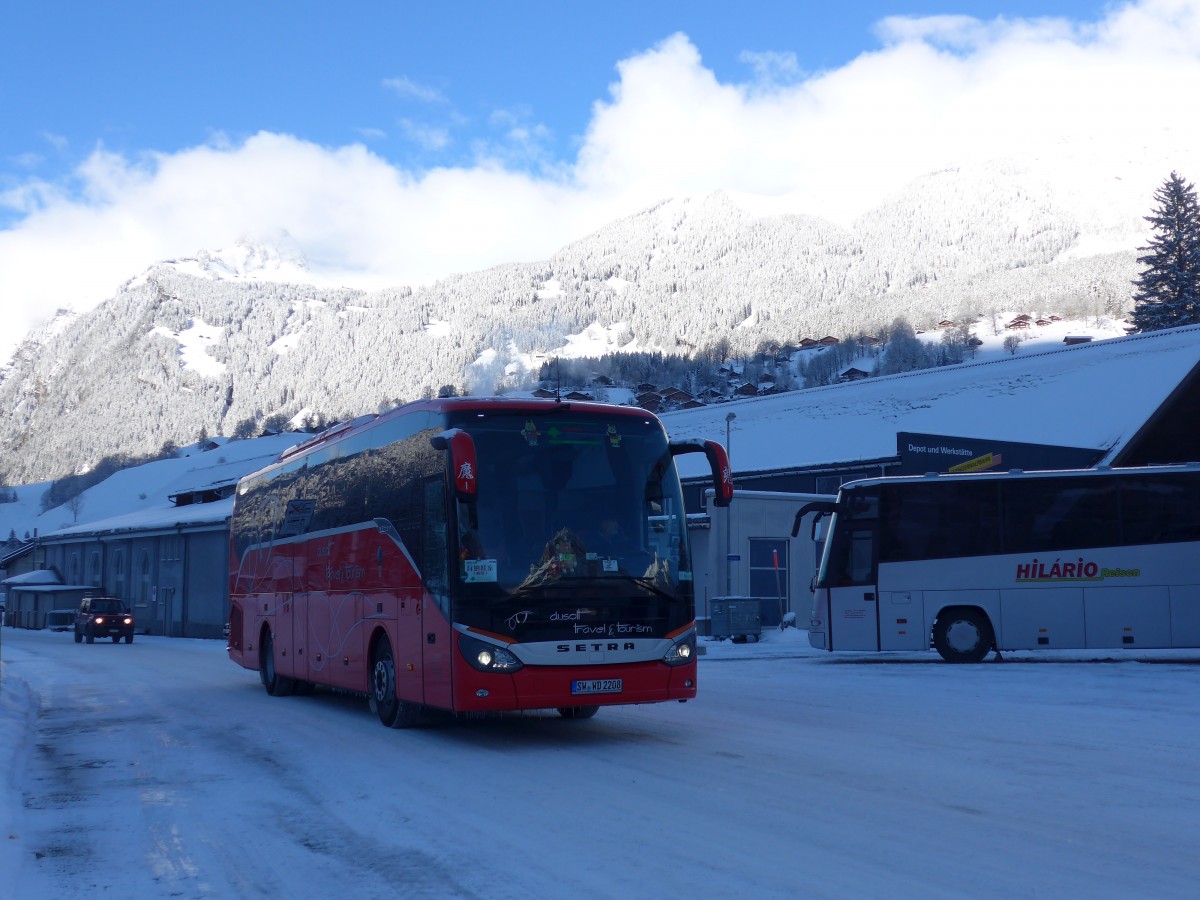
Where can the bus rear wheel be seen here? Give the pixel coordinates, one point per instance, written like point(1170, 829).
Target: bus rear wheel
point(392, 711)
point(578, 712)
point(963, 635)
point(277, 685)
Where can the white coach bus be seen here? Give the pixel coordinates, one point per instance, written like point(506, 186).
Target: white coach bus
point(1097, 558)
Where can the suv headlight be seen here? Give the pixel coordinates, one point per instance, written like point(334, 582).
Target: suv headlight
point(487, 657)
point(682, 652)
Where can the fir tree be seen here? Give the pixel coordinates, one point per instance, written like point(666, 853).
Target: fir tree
point(1168, 290)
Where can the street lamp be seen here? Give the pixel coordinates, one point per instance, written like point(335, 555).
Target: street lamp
point(729, 417)
point(728, 511)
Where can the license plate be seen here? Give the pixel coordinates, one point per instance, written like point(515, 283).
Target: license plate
point(597, 686)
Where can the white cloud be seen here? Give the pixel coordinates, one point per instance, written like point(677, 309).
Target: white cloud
point(771, 67)
point(409, 89)
point(1106, 108)
point(428, 137)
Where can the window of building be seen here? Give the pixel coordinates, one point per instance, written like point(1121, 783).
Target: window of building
point(118, 565)
point(766, 580)
point(144, 577)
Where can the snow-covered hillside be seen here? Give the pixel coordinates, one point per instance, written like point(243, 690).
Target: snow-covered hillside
point(218, 344)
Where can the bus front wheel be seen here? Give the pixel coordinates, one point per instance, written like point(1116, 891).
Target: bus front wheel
point(392, 711)
point(277, 685)
point(963, 635)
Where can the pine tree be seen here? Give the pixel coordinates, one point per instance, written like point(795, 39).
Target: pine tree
point(1168, 290)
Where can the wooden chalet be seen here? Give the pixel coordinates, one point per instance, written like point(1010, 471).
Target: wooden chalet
point(652, 404)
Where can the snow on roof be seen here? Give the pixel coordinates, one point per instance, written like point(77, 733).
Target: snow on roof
point(158, 518)
point(1094, 395)
point(37, 576)
point(138, 497)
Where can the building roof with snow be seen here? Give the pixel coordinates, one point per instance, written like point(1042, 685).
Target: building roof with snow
point(1104, 395)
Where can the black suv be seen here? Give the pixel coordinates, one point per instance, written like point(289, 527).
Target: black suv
point(103, 617)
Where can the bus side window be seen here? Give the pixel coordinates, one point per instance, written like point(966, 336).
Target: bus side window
point(1054, 514)
point(862, 547)
point(1158, 509)
point(855, 563)
point(436, 550)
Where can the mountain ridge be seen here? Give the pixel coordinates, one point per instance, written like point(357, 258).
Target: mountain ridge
point(682, 277)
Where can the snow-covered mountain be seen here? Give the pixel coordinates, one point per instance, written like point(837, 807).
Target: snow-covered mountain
point(221, 342)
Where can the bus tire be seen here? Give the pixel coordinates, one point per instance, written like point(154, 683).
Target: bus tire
point(392, 711)
point(578, 712)
point(277, 685)
point(963, 635)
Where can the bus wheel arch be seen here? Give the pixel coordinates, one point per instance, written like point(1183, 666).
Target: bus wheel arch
point(381, 690)
point(277, 685)
point(963, 634)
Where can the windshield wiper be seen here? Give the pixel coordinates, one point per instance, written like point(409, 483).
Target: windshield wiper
point(648, 583)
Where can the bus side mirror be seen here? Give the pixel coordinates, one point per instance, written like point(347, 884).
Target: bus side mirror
point(462, 461)
point(718, 461)
point(821, 507)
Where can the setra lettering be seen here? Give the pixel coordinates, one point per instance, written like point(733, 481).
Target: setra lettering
point(594, 648)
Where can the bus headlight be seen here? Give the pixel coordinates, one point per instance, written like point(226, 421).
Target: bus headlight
point(683, 651)
point(487, 657)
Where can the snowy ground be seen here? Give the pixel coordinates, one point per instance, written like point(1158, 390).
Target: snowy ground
point(160, 769)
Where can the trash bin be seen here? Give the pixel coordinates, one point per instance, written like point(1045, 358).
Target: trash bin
point(734, 617)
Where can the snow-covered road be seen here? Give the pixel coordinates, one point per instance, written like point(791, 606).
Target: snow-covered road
point(161, 769)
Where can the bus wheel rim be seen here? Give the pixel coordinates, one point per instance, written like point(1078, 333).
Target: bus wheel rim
point(962, 636)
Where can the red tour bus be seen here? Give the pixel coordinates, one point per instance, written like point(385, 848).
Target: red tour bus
point(472, 555)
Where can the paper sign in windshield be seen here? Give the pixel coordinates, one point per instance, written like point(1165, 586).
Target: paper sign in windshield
point(476, 570)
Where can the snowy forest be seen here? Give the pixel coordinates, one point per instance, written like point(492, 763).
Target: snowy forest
point(676, 292)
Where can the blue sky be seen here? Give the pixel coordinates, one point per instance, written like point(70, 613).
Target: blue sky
point(398, 142)
point(421, 84)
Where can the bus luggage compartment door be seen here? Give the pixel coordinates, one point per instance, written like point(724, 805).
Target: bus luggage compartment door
point(902, 621)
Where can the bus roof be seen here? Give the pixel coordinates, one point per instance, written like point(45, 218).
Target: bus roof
point(530, 405)
point(1099, 471)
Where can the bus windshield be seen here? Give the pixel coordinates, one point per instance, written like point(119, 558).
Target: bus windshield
point(578, 528)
